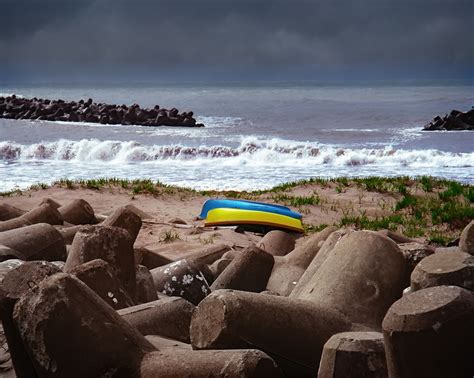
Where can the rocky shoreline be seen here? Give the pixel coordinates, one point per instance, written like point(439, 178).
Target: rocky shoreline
point(81, 296)
point(455, 120)
point(15, 107)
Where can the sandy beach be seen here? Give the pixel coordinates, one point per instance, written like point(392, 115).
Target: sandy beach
point(169, 215)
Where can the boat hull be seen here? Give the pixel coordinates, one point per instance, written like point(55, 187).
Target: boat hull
point(237, 217)
point(247, 205)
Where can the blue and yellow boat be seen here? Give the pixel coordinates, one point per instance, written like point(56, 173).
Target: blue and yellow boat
point(250, 215)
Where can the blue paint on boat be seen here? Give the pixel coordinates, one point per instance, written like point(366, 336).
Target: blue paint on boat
point(247, 205)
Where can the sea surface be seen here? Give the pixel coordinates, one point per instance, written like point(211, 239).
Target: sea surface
point(256, 135)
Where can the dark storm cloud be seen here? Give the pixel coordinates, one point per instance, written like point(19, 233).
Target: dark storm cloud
point(228, 37)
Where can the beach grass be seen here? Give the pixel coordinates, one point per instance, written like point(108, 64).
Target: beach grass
point(437, 209)
point(169, 236)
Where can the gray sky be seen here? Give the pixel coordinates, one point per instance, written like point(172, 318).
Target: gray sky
point(134, 40)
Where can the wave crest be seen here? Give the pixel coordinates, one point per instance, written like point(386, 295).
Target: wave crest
point(251, 151)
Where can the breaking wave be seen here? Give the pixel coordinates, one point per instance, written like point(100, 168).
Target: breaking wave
point(251, 151)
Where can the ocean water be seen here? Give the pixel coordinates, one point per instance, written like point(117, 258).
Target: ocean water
point(256, 136)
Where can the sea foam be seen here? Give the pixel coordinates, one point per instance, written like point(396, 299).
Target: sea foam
point(250, 152)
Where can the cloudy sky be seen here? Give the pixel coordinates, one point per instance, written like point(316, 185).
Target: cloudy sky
point(134, 40)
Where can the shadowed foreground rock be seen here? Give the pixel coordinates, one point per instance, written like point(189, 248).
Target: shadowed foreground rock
point(353, 354)
point(150, 259)
point(466, 241)
point(9, 212)
point(68, 232)
point(430, 333)
point(99, 276)
point(249, 363)
point(78, 211)
point(290, 329)
point(146, 291)
point(314, 252)
point(248, 271)
point(61, 323)
point(168, 316)
point(414, 253)
point(44, 213)
point(219, 266)
point(207, 255)
point(111, 244)
point(182, 279)
point(277, 243)
point(17, 282)
point(446, 268)
point(8, 265)
point(125, 218)
point(288, 269)
point(361, 277)
point(36, 242)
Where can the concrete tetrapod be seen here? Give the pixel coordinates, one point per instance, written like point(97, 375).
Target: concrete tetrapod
point(125, 218)
point(61, 323)
point(171, 363)
point(68, 233)
point(17, 282)
point(150, 259)
point(41, 214)
point(51, 202)
point(218, 266)
point(182, 279)
point(169, 317)
point(414, 253)
point(293, 330)
point(353, 354)
point(146, 291)
point(99, 276)
point(447, 268)
point(466, 241)
point(277, 243)
point(7, 253)
point(207, 255)
point(8, 212)
point(326, 242)
point(161, 343)
point(396, 237)
point(288, 269)
point(45, 213)
point(430, 333)
point(35, 242)
point(248, 271)
point(111, 244)
point(77, 212)
point(8, 265)
point(362, 276)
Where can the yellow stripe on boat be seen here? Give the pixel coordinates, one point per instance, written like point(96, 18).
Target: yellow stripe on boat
point(227, 217)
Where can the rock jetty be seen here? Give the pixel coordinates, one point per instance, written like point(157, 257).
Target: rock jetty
point(455, 120)
point(78, 299)
point(15, 107)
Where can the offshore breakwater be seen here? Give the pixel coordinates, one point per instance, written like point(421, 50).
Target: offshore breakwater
point(14, 107)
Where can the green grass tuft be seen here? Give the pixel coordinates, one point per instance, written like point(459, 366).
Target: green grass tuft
point(310, 228)
point(297, 201)
point(169, 236)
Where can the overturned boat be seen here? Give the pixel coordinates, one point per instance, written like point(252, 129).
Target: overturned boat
point(254, 216)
